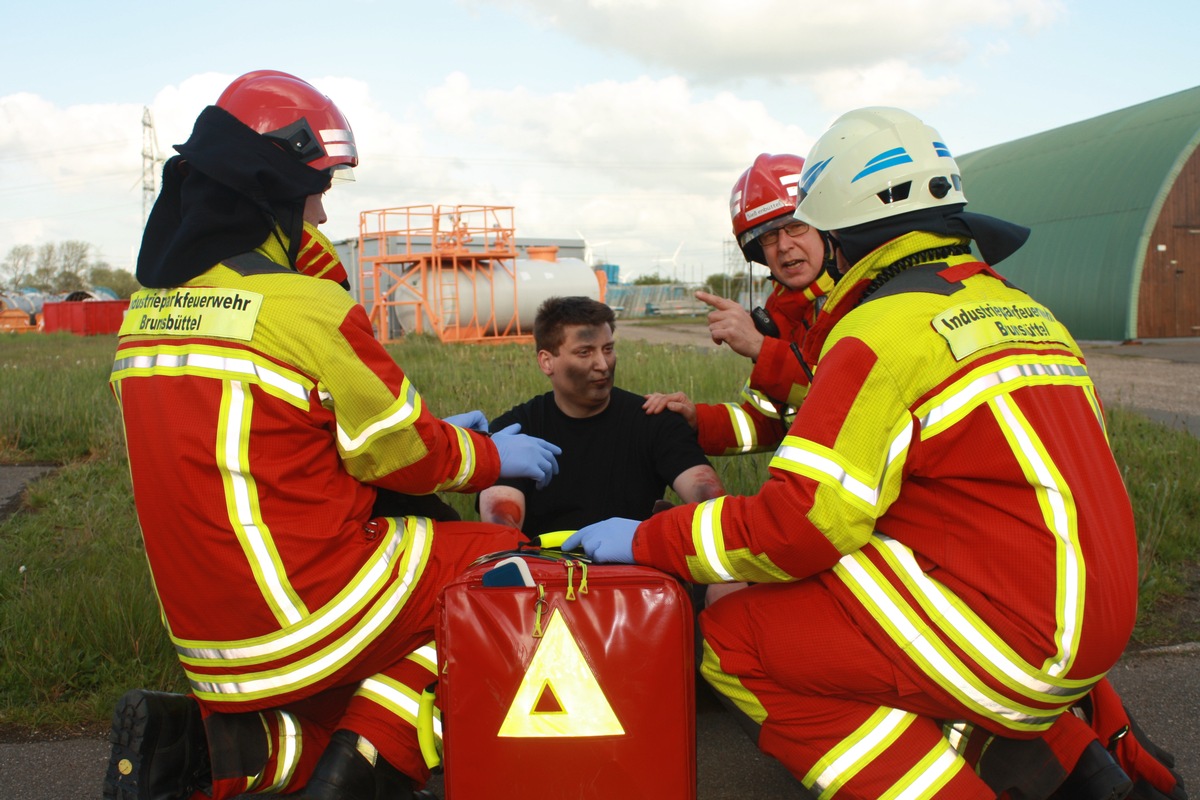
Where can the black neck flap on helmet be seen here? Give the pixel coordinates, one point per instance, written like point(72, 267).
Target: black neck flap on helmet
point(995, 238)
point(224, 194)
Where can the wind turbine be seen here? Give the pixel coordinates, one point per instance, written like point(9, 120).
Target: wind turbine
point(589, 255)
point(673, 261)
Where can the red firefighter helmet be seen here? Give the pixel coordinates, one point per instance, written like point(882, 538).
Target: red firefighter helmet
point(763, 199)
point(291, 111)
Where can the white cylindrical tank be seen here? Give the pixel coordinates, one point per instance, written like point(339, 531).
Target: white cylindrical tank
point(480, 297)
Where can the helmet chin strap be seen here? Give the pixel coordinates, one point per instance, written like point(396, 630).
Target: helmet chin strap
point(290, 245)
point(294, 237)
point(830, 262)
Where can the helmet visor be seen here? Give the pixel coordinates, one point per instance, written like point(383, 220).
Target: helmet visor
point(341, 173)
point(773, 224)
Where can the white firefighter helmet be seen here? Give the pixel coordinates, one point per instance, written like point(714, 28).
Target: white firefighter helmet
point(874, 163)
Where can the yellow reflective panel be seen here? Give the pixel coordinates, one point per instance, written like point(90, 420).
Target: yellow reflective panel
point(193, 311)
point(559, 695)
point(971, 327)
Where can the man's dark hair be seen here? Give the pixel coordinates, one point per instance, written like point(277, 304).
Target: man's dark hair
point(557, 312)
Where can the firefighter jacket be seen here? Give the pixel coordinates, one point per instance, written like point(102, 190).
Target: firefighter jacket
point(777, 383)
point(260, 413)
point(949, 479)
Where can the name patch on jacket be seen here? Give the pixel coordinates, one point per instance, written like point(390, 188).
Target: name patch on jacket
point(971, 327)
point(193, 311)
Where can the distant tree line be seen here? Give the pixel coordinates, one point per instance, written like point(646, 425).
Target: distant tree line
point(69, 267)
point(723, 284)
point(61, 269)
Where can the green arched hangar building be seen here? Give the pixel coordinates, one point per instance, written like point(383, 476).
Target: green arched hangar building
point(1114, 205)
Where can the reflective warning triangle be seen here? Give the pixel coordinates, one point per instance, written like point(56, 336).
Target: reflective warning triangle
point(559, 695)
point(548, 702)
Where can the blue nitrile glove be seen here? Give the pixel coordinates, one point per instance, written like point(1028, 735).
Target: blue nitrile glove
point(472, 420)
point(524, 456)
point(608, 540)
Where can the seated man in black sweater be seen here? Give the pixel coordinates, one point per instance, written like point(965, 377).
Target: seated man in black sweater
point(616, 460)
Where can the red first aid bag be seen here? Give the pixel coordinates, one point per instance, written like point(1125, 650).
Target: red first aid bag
point(579, 685)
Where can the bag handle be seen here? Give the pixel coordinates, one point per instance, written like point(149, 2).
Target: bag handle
point(539, 549)
point(430, 742)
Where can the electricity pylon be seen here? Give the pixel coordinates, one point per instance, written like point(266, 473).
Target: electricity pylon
point(150, 162)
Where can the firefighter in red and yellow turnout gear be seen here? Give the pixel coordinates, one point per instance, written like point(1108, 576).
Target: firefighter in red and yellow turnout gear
point(262, 420)
point(761, 205)
point(944, 534)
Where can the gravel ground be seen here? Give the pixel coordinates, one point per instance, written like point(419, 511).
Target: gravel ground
point(1166, 389)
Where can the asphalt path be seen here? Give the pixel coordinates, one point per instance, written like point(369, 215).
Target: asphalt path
point(1161, 687)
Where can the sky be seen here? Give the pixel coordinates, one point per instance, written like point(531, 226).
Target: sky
point(621, 122)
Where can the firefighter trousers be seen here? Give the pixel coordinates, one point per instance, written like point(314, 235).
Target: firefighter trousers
point(833, 707)
point(274, 750)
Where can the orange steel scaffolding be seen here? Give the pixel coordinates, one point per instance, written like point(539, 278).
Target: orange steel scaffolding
point(450, 268)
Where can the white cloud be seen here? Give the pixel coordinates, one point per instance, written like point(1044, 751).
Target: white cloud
point(892, 83)
point(68, 170)
point(718, 40)
point(652, 133)
point(641, 164)
point(995, 51)
point(175, 107)
point(914, 54)
point(68, 147)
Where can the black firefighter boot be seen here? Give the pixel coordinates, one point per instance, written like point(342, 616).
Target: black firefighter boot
point(159, 749)
point(352, 769)
point(1096, 776)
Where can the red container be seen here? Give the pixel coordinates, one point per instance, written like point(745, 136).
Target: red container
point(85, 317)
point(580, 686)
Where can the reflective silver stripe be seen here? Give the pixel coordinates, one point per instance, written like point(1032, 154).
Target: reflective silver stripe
point(403, 415)
point(957, 735)
point(860, 752)
point(1097, 410)
point(329, 660)
point(828, 466)
point(466, 467)
point(761, 402)
point(289, 754)
point(913, 638)
point(899, 444)
point(1070, 567)
point(426, 656)
point(964, 397)
point(408, 707)
point(709, 514)
point(957, 625)
point(801, 457)
point(743, 427)
point(338, 142)
point(317, 625)
point(247, 519)
point(237, 368)
point(923, 781)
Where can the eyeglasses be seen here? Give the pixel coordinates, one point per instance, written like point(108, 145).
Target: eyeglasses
point(792, 229)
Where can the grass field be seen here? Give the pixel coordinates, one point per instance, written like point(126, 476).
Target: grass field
point(79, 620)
